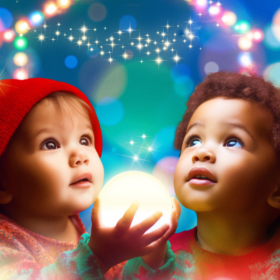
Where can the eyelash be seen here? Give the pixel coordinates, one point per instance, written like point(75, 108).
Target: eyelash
point(192, 137)
point(53, 140)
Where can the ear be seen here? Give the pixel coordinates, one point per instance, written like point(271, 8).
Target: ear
point(274, 197)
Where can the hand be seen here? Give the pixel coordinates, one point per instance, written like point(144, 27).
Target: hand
point(115, 245)
point(156, 259)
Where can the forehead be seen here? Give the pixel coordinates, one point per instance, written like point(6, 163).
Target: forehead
point(220, 110)
point(46, 113)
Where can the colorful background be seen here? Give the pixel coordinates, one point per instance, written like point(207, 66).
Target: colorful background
point(138, 61)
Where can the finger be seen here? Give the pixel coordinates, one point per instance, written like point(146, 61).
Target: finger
point(124, 223)
point(142, 227)
point(95, 214)
point(176, 206)
point(153, 236)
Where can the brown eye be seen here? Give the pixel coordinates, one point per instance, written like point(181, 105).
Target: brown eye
point(84, 141)
point(50, 145)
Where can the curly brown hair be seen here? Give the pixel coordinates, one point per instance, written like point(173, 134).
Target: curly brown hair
point(233, 85)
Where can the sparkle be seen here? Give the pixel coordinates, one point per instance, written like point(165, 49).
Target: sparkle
point(132, 44)
point(53, 39)
point(120, 32)
point(219, 4)
point(94, 29)
point(139, 46)
point(111, 38)
point(96, 42)
point(167, 43)
point(105, 28)
point(58, 24)
point(110, 60)
point(84, 38)
point(79, 42)
point(57, 33)
point(125, 56)
point(139, 38)
point(84, 29)
point(175, 34)
point(45, 26)
point(143, 136)
point(217, 24)
point(136, 158)
point(200, 14)
point(167, 26)
point(112, 45)
point(158, 32)
point(176, 58)
point(158, 60)
point(163, 34)
point(91, 49)
point(148, 40)
point(150, 149)
point(146, 45)
point(157, 50)
point(148, 53)
point(70, 28)
point(141, 61)
point(71, 38)
point(131, 142)
point(174, 40)
point(190, 22)
point(155, 42)
point(190, 46)
point(129, 30)
point(102, 53)
point(88, 44)
point(64, 34)
point(172, 50)
point(41, 37)
point(191, 36)
point(210, 2)
point(184, 41)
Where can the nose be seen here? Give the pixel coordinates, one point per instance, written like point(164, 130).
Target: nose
point(203, 154)
point(78, 157)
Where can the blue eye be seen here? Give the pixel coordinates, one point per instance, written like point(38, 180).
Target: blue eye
point(234, 143)
point(193, 142)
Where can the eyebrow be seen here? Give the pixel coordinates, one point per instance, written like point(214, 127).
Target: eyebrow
point(50, 130)
point(226, 123)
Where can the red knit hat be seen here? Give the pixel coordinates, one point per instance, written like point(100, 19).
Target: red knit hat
point(17, 97)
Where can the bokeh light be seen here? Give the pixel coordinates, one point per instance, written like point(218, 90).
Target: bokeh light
point(6, 19)
point(20, 43)
point(276, 31)
point(276, 18)
point(270, 40)
point(124, 189)
point(109, 111)
point(20, 74)
point(164, 171)
point(97, 12)
point(50, 9)
point(180, 73)
point(229, 18)
point(242, 27)
point(9, 36)
point(71, 61)
point(271, 74)
point(245, 59)
point(244, 43)
point(211, 67)
point(128, 23)
point(201, 4)
point(112, 83)
point(20, 59)
point(22, 26)
point(64, 4)
point(214, 10)
point(185, 89)
point(36, 18)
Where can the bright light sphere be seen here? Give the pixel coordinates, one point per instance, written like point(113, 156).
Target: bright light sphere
point(124, 189)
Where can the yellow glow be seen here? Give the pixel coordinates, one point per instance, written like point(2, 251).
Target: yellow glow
point(21, 27)
point(64, 3)
point(50, 9)
point(244, 43)
point(20, 59)
point(128, 187)
point(229, 18)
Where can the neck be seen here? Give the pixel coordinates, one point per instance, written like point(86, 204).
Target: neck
point(231, 234)
point(59, 228)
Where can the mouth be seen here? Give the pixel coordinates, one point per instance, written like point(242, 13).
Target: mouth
point(201, 176)
point(82, 180)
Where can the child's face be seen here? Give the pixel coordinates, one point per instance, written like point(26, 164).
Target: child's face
point(230, 139)
point(49, 152)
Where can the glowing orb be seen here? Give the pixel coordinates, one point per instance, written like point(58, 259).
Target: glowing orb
point(22, 26)
point(229, 18)
point(258, 35)
point(20, 43)
point(20, 59)
point(9, 36)
point(36, 18)
point(64, 4)
point(124, 189)
point(50, 9)
point(20, 74)
point(244, 43)
point(214, 10)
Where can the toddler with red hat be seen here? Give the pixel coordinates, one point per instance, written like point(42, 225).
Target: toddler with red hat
point(50, 170)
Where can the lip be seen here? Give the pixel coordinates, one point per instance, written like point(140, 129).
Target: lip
point(82, 184)
point(201, 171)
